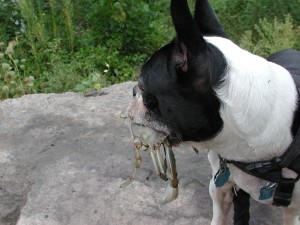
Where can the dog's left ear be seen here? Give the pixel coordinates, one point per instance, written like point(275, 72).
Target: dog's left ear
point(207, 20)
point(190, 52)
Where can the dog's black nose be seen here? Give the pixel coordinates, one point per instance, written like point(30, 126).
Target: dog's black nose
point(134, 90)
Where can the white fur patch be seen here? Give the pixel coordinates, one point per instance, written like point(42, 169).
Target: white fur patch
point(258, 102)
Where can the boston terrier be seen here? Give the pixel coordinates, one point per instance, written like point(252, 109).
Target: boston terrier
point(203, 90)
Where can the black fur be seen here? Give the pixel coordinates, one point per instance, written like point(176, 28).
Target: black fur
point(207, 21)
point(241, 203)
point(289, 59)
point(177, 81)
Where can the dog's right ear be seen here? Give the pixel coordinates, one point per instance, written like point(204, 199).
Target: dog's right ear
point(207, 20)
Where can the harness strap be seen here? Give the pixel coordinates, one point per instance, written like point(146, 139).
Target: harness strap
point(284, 192)
point(266, 170)
point(271, 171)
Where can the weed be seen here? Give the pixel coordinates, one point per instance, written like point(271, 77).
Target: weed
point(13, 81)
point(269, 37)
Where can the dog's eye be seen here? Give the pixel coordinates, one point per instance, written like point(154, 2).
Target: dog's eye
point(141, 84)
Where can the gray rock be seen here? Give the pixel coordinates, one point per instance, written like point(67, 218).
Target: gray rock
point(64, 156)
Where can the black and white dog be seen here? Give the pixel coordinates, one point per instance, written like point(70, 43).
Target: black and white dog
point(212, 94)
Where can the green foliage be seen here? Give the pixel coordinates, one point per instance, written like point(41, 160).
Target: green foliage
point(13, 83)
point(238, 16)
point(130, 25)
point(10, 21)
point(78, 45)
point(269, 37)
point(48, 20)
point(94, 81)
point(62, 73)
point(121, 34)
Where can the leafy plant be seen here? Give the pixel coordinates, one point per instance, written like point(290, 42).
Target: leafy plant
point(269, 37)
point(13, 81)
point(130, 25)
point(95, 81)
point(10, 20)
point(59, 62)
point(238, 16)
point(86, 44)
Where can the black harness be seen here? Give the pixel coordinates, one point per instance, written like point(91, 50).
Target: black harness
point(272, 170)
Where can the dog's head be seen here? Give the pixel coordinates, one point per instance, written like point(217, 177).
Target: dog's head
point(175, 92)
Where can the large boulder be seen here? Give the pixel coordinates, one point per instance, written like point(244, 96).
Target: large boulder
point(64, 156)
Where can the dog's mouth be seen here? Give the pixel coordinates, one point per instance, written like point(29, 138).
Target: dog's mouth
point(138, 114)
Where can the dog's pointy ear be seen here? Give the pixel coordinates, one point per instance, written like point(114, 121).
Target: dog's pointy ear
point(207, 20)
point(187, 30)
point(190, 43)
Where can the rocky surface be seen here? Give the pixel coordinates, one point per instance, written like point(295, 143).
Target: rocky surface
point(64, 156)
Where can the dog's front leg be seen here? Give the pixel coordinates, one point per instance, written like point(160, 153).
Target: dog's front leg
point(291, 216)
point(222, 201)
point(222, 197)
